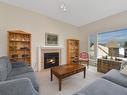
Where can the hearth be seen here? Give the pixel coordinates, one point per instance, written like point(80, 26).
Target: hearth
point(51, 59)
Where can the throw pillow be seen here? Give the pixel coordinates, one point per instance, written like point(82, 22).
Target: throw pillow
point(124, 70)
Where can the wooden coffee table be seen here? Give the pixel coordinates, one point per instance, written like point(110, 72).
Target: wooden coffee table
point(67, 70)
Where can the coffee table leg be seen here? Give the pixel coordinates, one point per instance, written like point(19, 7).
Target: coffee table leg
point(51, 75)
point(84, 72)
point(60, 82)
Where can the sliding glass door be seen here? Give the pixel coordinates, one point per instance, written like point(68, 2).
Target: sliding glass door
point(92, 49)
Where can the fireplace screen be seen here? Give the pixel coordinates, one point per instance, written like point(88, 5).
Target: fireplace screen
point(51, 60)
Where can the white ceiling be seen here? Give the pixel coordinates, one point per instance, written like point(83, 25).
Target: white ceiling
point(79, 12)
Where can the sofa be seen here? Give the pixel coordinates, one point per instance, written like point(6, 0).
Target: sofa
point(111, 83)
point(17, 78)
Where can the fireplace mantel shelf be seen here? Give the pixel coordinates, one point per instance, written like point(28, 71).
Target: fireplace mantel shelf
point(51, 47)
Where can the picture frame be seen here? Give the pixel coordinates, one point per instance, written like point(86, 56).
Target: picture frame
point(51, 39)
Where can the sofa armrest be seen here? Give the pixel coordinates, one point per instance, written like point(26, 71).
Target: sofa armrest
point(116, 77)
point(18, 64)
point(21, 86)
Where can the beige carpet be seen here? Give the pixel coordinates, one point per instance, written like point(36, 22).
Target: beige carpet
point(69, 85)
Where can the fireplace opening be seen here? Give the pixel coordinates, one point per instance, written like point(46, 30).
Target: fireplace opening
point(51, 59)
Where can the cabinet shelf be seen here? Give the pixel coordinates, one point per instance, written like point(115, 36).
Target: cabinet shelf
point(20, 50)
point(19, 46)
point(18, 41)
point(20, 58)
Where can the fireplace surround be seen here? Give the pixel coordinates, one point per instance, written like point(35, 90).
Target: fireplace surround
point(53, 52)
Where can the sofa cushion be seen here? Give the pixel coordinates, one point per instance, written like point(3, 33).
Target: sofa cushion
point(7, 62)
point(20, 70)
point(30, 75)
point(116, 77)
point(102, 87)
point(3, 70)
point(18, 64)
point(22, 86)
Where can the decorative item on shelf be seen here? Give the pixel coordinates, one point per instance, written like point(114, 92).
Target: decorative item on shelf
point(11, 37)
point(14, 56)
point(25, 56)
point(24, 48)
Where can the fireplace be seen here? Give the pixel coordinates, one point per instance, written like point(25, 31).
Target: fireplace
point(51, 59)
point(54, 54)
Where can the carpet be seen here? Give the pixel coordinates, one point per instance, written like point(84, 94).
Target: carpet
point(70, 84)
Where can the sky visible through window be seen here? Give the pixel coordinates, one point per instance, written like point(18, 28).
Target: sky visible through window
point(118, 35)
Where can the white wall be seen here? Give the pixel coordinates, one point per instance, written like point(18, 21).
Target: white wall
point(12, 18)
point(115, 22)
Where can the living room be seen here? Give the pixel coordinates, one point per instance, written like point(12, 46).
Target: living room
point(64, 20)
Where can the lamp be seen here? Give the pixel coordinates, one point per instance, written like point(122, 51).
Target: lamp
point(111, 45)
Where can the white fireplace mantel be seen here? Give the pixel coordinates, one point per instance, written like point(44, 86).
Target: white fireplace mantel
point(51, 47)
point(42, 50)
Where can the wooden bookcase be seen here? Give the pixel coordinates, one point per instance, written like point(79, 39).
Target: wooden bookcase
point(19, 46)
point(72, 51)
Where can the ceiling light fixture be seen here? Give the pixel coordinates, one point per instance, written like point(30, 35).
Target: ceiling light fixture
point(63, 7)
